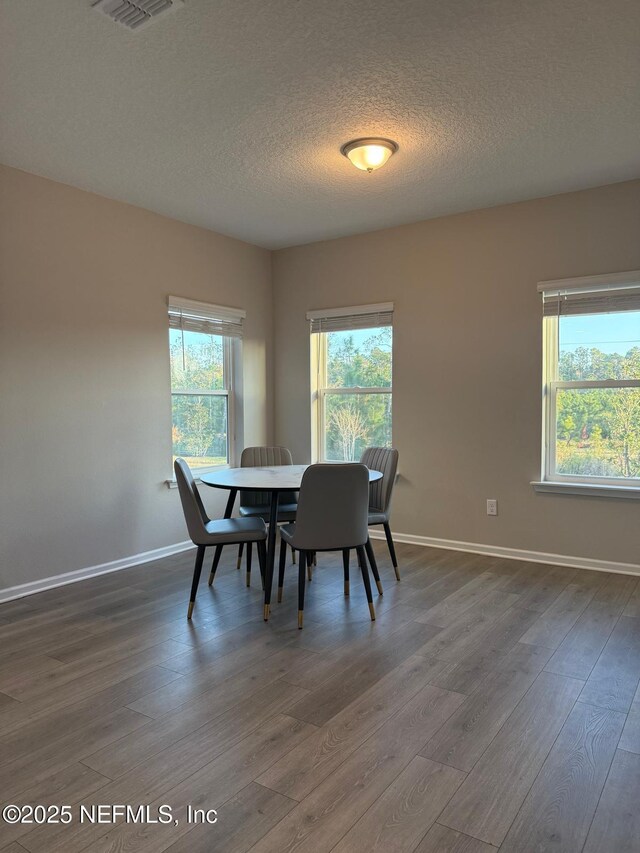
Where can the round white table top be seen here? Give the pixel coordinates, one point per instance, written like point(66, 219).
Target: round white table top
point(279, 478)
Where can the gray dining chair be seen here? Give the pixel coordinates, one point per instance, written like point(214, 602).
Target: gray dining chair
point(258, 504)
point(205, 532)
point(383, 459)
point(332, 516)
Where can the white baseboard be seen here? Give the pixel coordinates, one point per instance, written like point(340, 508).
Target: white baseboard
point(514, 553)
point(32, 587)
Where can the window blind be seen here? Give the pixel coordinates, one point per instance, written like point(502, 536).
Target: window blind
point(355, 317)
point(598, 294)
point(192, 316)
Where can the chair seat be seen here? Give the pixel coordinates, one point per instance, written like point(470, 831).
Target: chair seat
point(287, 531)
point(232, 531)
point(286, 512)
point(377, 517)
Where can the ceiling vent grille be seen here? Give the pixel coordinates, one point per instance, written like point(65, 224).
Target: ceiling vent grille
point(136, 14)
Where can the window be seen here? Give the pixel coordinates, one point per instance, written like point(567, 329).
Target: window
point(592, 380)
point(202, 341)
point(351, 355)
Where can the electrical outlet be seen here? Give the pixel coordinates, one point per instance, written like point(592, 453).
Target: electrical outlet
point(492, 506)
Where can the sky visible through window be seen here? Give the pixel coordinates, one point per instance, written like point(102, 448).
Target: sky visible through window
point(607, 332)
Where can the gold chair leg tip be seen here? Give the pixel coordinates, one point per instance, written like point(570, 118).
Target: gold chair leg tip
point(239, 564)
point(190, 610)
point(210, 581)
point(300, 618)
point(346, 588)
point(397, 574)
point(279, 595)
point(266, 610)
point(379, 585)
point(248, 580)
point(372, 612)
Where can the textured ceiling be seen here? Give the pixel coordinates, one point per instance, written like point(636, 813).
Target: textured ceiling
point(230, 114)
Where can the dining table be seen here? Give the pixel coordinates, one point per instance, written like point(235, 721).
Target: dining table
point(273, 480)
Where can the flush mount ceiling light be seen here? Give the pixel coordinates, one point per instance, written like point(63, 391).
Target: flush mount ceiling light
point(369, 153)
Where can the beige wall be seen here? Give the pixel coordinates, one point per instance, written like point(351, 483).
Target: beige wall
point(467, 361)
point(85, 410)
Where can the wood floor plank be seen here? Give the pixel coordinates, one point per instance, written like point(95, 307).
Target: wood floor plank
point(72, 681)
point(67, 787)
point(617, 589)
point(461, 600)
point(632, 608)
point(441, 839)
point(211, 786)
point(242, 821)
point(32, 663)
point(29, 770)
point(615, 677)
point(401, 816)
point(223, 688)
point(559, 808)
point(489, 799)
point(556, 622)
point(578, 652)
point(186, 690)
point(340, 690)
point(220, 723)
point(468, 732)
point(616, 825)
point(476, 664)
point(46, 728)
point(330, 810)
point(630, 739)
point(312, 674)
point(305, 767)
point(546, 588)
point(465, 633)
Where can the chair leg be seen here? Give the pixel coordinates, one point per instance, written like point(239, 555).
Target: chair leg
point(367, 581)
point(249, 555)
point(345, 565)
point(309, 564)
point(302, 564)
point(315, 558)
point(281, 567)
point(262, 559)
point(374, 565)
point(293, 556)
point(240, 550)
point(214, 565)
point(196, 578)
point(392, 550)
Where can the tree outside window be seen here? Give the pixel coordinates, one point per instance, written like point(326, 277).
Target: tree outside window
point(354, 391)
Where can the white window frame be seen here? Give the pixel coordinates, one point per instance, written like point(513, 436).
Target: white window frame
point(232, 377)
point(228, 392)
point(616, 486)
point(320, 389)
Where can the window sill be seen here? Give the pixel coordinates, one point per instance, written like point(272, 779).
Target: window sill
point(172, 483)
point(593, 490)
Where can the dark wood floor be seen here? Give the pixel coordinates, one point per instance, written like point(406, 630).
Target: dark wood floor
point(492, 705)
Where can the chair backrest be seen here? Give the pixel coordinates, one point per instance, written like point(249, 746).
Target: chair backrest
point(332, 507)
point(383, 459)
point(265, 457)
point(192, 506)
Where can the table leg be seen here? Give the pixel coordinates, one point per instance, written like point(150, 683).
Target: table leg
point(271, 552)
point(217, 553)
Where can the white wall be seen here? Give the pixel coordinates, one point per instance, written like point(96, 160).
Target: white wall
point(85, 411)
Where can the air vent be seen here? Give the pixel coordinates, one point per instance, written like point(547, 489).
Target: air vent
point(136, 14)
